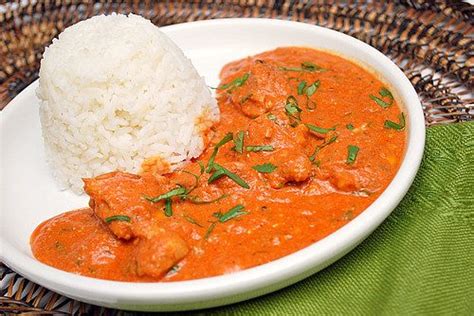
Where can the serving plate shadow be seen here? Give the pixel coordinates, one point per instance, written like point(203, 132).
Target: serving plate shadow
point(29, 195)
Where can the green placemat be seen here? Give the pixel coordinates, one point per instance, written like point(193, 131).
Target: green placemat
point(419, 261)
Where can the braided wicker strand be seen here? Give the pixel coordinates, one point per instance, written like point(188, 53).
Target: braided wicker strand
point(433, 36)
point(430, 40)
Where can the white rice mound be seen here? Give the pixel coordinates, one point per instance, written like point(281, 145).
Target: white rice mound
point(114, 90)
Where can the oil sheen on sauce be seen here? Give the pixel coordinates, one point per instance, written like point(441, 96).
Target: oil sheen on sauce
point(307, 140)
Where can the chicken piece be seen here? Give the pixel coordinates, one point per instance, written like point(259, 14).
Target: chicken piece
point(157, 251)
point(292, 166)
point(122, 194)
point(343, 180)
point(264, 131)
point(264, 89)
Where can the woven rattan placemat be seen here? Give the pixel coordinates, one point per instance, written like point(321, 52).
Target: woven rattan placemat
point(431, 40)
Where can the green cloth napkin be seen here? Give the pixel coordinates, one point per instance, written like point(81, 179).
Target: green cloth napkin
point(419, 261)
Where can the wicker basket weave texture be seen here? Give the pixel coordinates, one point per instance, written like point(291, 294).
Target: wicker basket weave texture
point(431, 41)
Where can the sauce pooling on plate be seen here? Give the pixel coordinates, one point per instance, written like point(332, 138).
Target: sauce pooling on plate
point(307, 140)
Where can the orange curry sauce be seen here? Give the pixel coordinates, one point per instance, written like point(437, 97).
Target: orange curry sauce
point(311, 148)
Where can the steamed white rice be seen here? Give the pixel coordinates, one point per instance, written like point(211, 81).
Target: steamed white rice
point(115, 90)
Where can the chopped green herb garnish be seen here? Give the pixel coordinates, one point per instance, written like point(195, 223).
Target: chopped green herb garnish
point(239, 142)
point(265, 168)
point(216, 175)
point(271, 117)
point(196, 177)
point(191, 220)
point(305, 67)
point(384, 93)
point(396, 126)
point(197, 200)
point(319, 130)
point(259, 148)
point(179, 191)
point(209, 230)
point(312, 158)
point(227, 138)
point(230, 214)
point(301, 87)
point(168, 208)
point(122, 218)
point(237, 82)
point(221, 171)
point(310, 90)
point(350, 126)
point(234, 212)
point(201, 167)
point(352, 152)
point(293, 111)
point(196, 181)
point(309, 66)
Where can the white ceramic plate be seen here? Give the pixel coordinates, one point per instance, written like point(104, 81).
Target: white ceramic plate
point(29, 195)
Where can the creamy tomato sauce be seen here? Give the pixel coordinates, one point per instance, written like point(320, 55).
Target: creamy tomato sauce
point(307, 140)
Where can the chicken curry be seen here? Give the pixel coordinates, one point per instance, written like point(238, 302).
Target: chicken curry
point(307, 140)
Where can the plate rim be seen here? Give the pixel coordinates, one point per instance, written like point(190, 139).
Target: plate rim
point(330, 248)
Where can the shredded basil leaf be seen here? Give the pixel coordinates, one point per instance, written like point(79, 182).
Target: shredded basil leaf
point(293, 111)
point(179, 191)
point(234, 212)
point(168, 208)
point(209, 230)
point(221, 171)
point(265, 168)
point(291, 105)
point(396, 126)
point(197, 200)
point(216, 175)
point(201, 167)
point(310, 90)
point(352, 152)
point(312, 158)
point(259, 148)
point(305, 67)
point(350, 126)
point(311, 66)
point(227, 138)
point(191, 220)
point(301, 87)
point(319, 130)
point(196, 181)
point(239, 142)
point(237, 82)
point(384, 93)
point(122, 218)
